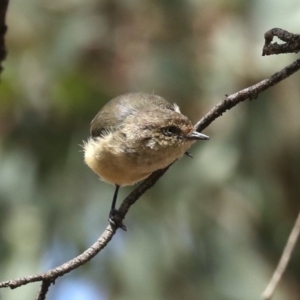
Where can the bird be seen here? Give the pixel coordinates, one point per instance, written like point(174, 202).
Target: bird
point(134, 135)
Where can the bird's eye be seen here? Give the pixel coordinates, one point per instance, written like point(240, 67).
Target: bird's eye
point(171, 130)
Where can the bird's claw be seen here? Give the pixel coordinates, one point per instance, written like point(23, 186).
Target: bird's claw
point(114, 220)
point(187, 153)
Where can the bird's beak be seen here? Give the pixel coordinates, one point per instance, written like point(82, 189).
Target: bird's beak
point(198, 136)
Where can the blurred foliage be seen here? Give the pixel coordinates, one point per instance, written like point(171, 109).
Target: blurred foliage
point(213, 227)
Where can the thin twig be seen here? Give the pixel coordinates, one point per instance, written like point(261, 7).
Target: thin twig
point(291, 45)
point(43, 290)
point(246, 94)
point(284, 260)
point(52, 274)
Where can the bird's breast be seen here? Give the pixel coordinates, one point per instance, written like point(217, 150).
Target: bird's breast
point(121, 165)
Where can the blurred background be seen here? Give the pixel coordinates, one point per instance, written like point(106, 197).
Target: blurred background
point(213, 227)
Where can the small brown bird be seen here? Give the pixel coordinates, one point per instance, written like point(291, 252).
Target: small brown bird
point(134, 135)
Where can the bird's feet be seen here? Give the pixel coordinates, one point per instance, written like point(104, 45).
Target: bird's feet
point(115, 220)
point(187, 153)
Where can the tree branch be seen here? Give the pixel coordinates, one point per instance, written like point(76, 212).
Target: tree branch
point(43, 290)
point(67, 267)
point(87, 255)
point(229, 102)
point(3, 28)
point(246, 94)
point(291, 45)
point(283, 262)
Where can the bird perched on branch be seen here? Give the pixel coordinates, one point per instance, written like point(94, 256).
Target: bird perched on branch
point(134, 135)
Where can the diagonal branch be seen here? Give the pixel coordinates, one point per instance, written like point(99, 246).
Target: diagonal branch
point(51, 275)
point(67, 267)
point(284, 260)
point(229, 102)
point(246, 94)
